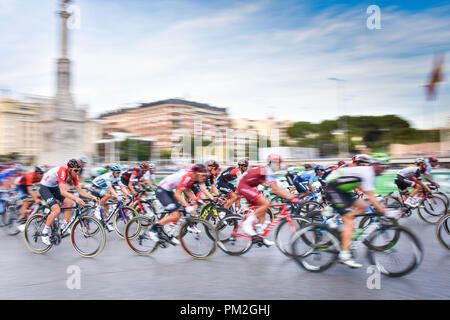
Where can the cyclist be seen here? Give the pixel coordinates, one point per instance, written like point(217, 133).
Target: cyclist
point(53, 187)
point(7, 176)
point(149, 177)
point(411, 177)
point(132, 177)
point(103, 188)
point(231, 174)
point(24, 188)
point(432, 162)
point(340, 185)
point(201, 189)
point(308, 177)
point(182, 182)
point(247, 188)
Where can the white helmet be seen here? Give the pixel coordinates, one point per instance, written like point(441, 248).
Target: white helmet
point(419, 161)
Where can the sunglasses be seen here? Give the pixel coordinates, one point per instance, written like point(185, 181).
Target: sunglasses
point(76, 170)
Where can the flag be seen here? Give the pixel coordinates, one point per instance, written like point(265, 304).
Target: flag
point(435, 77)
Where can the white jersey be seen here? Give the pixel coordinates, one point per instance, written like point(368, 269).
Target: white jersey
point(410, 172)
point(365, 173)
point(105, 180)
point(172, 181)
point(148, 176)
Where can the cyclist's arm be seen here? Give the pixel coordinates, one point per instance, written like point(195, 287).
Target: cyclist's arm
point(83, 193)
point(33, 194)
point(420, 181)
point(276, 189)
point(63, 189)
point(130, 186)
point(112, 191)
point(205, 191)
point(428, 178)
point(180, 199)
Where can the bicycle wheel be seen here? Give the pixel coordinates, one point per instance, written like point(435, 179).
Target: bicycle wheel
point(432, 209)
point(198, 238)
point(137, 238)
point(307, 207)
point(234, 245)
point(11, 217)
point(284, 233)
point(392, 202)
point(321, 249)
point(443, 196)
point(400, 257)
point(33, 232)
point(119, 221)
point(443, 231)
point(85, 237)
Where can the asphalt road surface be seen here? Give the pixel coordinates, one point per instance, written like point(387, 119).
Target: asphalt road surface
point(170, 274)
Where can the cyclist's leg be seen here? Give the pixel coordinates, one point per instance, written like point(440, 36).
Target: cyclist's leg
point(358, 207)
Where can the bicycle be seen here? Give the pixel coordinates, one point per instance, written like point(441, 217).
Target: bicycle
point(120, 216)
point(192, 232)
point(235, 243)
point(316, 243)
point(429, 210)
point(11, 216)
point(81, 224)
point(443, 231)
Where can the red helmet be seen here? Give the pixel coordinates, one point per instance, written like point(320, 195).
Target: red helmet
point(199, 168)
point(243, 162)
point(433, 159)
point(74, 163)
point(144, 166)
point(274, 158)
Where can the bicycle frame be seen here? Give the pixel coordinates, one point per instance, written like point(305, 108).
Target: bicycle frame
point(283, 214)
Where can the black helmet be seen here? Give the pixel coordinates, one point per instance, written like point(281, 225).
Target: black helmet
point(212, 164)
point(74, 163)
point(38, 169)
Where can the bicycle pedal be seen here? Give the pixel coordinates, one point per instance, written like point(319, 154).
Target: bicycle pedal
point(258, 241)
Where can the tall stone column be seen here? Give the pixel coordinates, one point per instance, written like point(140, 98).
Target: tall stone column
point(62, 123)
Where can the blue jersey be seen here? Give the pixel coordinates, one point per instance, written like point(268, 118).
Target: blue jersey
point(307, 176)
point(428, 170)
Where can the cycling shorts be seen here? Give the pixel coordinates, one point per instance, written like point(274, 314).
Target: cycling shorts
point(301, 188)
point(50, 194)
point(97, 191)
point(339, 199)
point(21, 191)
point(225, 187)
point(251, 194)
point(167, 199)
point(403, 183)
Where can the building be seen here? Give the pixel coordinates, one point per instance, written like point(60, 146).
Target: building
point(20, 126)
point(166, 122)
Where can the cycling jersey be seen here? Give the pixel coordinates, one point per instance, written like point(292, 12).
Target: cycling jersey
point(411, 172)
point(5, 174)
point(105, 180)
point(133, 174)
point(305, 177)
point(149, 176)
point(348, 178)
point(57, 175)
point(230, 174)
point(27, 179)
point(253, 178)
point(180, 180)
point(428, 169)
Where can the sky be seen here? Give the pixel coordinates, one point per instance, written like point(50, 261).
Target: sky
point(257, 58)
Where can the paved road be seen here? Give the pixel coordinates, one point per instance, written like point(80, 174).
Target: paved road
point(262, 273)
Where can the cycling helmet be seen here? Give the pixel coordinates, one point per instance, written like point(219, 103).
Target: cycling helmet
point(341, 163)
point(243, 162)
point(144, 166)
point(151, 166)
point(38, 169)
point(362, 159)
point(74, 163)
point(308, 166)
point(198, 167)
point(115, 167)
point(354, 158)
point(274, 158)
point(83, 160)
point(319, 168)
point(419, 161)
point(433, 159)
point(212, 164)
point(383, 157)
point(382, 161)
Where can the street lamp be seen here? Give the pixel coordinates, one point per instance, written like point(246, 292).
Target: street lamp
point(340, 88)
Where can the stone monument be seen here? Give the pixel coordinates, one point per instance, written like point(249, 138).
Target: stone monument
point(62, 124)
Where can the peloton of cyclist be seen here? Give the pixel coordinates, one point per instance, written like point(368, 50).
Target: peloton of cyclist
point(132, 178)
point(53, 187)
point(340, 186)
point(182, 182)
point(247, 188)
point(201, 189)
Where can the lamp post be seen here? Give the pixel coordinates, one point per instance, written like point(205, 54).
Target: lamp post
point(343, 126)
